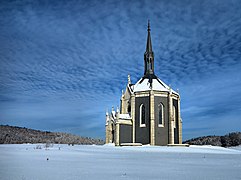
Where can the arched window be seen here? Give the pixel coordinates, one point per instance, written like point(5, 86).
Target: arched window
point(174, 116)
point(142, 116)
point(161, 115)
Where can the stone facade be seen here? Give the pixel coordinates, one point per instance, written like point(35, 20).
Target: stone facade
point(149, 110)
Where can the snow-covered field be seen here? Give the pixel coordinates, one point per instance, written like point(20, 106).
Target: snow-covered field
point(25, 162)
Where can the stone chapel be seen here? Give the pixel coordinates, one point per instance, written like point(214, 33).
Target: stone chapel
point(149, 110)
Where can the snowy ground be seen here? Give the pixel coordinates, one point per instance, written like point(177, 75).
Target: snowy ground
point(25, 162)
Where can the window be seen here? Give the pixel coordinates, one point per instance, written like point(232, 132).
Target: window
point(142, 116)
point(150, 66)
point(174, 116)
point(129, 109)
point(161, 115)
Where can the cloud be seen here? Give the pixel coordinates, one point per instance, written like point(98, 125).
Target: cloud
point(64, 63)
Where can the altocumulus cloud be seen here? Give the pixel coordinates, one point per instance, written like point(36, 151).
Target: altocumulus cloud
point(62, 63)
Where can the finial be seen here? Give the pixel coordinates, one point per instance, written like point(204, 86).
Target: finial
point(117, 109)
point(129, 79)
point(148, 27)
point(169, 88)
point(112, 109)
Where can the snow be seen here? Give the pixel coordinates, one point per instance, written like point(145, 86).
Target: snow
point(113, 114)
point(124, 116)
point(25, 162)
point(236, 148)
point(156, 85)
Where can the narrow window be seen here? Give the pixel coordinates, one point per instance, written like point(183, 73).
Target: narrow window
point(142, 116)
point(150, 64)
point(161, 115)
point(129, 109)
point(174, 116)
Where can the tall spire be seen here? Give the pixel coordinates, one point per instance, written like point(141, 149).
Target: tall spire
point(148, 43)
point(149, 55)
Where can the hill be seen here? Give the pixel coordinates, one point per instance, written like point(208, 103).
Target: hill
point(19, 135)
point(231, 139)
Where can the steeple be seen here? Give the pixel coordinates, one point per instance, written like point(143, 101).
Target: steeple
point(148, 43)
point(149, 55)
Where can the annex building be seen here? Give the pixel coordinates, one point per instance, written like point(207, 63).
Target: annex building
point(149, 110)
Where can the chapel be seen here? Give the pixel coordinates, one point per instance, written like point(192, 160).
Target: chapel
point(149, 110)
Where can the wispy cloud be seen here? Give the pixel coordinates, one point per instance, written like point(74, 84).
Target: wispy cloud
point(62, 63)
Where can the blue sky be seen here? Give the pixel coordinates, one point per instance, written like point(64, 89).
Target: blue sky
point(63, 63)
